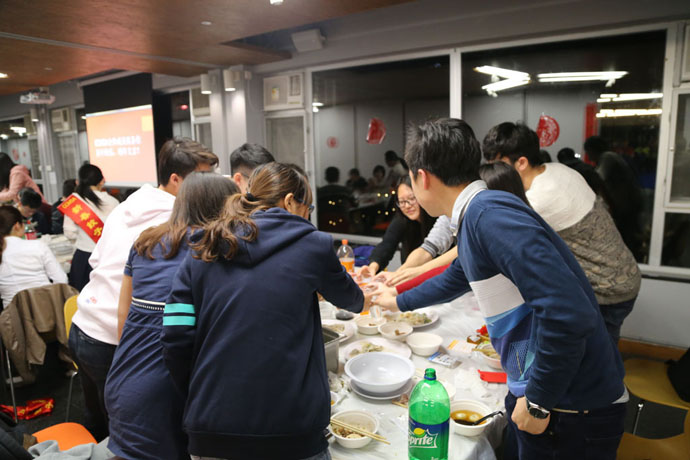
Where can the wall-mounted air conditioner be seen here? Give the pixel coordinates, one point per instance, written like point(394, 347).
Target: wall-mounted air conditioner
point(61, 120)
point(284, 92)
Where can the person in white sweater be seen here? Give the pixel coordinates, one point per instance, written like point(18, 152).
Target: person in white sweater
point(24, 264)
point(90, 191)
point(93, 336)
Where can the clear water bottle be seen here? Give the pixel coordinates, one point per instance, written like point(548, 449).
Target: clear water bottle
point(346, 256)
point(429, 423)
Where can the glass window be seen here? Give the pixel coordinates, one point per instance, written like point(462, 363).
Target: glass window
point(285, 139)
point(360, 114)
point(680, 178)
point(203, 134)
point(619, 100)
point(675, 251)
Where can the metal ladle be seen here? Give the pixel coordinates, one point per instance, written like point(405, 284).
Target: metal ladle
point(477, 422)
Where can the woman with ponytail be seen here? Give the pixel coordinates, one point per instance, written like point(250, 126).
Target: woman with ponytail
point(92, 199)
point(24, 264)
point(242, 322)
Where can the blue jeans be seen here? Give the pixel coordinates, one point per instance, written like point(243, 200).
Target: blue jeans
point(93, 358)
point(614, 314)
point(592, 436)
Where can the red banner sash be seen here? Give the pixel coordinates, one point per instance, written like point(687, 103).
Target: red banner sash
point(83, 216)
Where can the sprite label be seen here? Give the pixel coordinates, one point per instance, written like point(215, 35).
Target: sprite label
point(429, 420)
point(427, 437)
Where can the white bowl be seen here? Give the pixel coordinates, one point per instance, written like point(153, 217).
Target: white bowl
point(379, 372)
point(424, 343)
point(334, 399)
point(491, 362)
point(369, 325)
point(388, 330)
point(359, 418)
point(476, 406)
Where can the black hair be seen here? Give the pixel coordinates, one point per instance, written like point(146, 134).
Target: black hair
point(596, 145)
point(181, 156)
point(249, 156)
point(502, 176)
point(566, 155)
point(379, 168)
point(89, 175)
point(415, 230)
point(9, 217)
point(6, 164)
point(354, 171)
point(390, 155)
point(447, 148)
point(332, 174)
point(68, 187)
point(30, 198)
point(512, 140)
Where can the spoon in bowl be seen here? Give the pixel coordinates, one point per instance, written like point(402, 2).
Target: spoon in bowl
point(477, 422)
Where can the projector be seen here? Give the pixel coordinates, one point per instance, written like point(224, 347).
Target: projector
point(42, 96)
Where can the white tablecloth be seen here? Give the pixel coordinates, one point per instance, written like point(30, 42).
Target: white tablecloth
point(62, 248)
point(457, 320)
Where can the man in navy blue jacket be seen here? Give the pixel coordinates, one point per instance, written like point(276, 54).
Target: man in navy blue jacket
point(565, 377)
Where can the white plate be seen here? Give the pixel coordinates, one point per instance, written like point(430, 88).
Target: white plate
point(431, 313)
point(389, 346)
point(381, 397)
point(349, 328)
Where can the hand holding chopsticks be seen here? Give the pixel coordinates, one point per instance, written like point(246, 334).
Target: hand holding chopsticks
point(358, 430)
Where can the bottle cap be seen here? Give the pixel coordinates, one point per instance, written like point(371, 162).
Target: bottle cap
point(430, 374)
point(344, 242)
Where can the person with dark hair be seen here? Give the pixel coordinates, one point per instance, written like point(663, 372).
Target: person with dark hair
point(564, 371)
point(333, 190)
point(57, 218)
point(13, 178)
point(622, 189)
point(246, 293)
point(24, 264)
point(144, 409)
point(500, 176)
point(91, 199)
point(564, 200)
point(245, 159)
point(356, 183)
point(567, 157)
point(377, 183)
point(397, 170)
point(30, 203)
point(545, 156)
point(409, 226)
point(93, 335)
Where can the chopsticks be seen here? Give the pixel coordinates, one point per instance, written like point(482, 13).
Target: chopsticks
point(358, 430)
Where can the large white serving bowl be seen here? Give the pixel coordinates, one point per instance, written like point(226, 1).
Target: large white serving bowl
point(379, 372)
point(424, 343)
point(358, 418)
point(476, 406)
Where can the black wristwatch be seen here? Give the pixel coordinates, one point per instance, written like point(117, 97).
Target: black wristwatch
point(536, 410)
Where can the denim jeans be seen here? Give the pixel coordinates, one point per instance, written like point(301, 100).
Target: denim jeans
point(93, 358)
point(325, 455)
point(614, 314)
point(592, 436)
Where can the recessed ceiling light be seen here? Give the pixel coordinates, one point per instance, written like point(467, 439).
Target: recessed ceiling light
point(206, 23)
point(276, 2)
point(3, 75)
point(317, 104)
point(48, 68)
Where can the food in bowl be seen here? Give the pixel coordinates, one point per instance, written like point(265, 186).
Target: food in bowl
point(466, 417)
point(357, 418)
point(369, 325)
point(379, 373)
point(395, 330)
point(424, 343)
point(492, 358)
point(366, 347)
point(414, 318)
point(470, 408)
point(339, 328)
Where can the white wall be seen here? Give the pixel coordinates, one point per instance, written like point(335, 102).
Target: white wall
point(338, 122)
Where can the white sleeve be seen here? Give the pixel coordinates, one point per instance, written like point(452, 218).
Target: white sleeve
point(51, 266)
point(69, 228)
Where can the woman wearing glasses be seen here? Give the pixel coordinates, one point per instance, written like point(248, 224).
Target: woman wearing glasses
point(409, 227)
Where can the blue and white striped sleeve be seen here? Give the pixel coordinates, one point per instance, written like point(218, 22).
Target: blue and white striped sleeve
point(179, 327)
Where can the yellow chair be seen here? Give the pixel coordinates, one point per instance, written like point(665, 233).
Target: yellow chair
point(649, 381)
point(70, 310)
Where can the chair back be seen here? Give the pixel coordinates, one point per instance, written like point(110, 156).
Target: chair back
point(70, 310)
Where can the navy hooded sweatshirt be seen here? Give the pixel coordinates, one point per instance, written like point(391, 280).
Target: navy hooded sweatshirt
point(243, 341)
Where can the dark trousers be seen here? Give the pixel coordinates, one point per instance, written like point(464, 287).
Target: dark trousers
point(592, 436)
point(614, 314)
point(93, 358)
point(80, 271)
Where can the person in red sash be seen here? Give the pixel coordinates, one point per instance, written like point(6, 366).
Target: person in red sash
point(85, 211)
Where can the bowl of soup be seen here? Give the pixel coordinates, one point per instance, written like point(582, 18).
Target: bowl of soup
point(465, 411)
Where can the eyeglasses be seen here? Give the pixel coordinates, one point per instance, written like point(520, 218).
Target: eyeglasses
point(310, 207)
point(404, 203)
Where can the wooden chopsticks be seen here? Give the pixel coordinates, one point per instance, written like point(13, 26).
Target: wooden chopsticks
point(358, 430)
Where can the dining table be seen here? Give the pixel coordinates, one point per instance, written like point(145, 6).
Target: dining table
point(456, 321)
point(62, 248)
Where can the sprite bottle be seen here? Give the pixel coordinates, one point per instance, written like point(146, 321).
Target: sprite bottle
point(429, 419)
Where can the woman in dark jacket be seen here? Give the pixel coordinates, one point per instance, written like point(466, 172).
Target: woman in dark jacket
point(242, 333)
point(409, 227)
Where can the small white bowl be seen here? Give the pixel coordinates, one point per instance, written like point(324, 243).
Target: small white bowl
point(334, 399)
point(491, 362)
point(476, 406)
point(359, 418)
point(388, 330)
point(379, 372)
point(369, 325)
point(424, 343)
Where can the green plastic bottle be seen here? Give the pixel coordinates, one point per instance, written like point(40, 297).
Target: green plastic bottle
point(429, 420)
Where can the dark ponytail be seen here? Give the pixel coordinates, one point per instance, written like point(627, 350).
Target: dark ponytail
point(9, 216)
point(89, 175)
